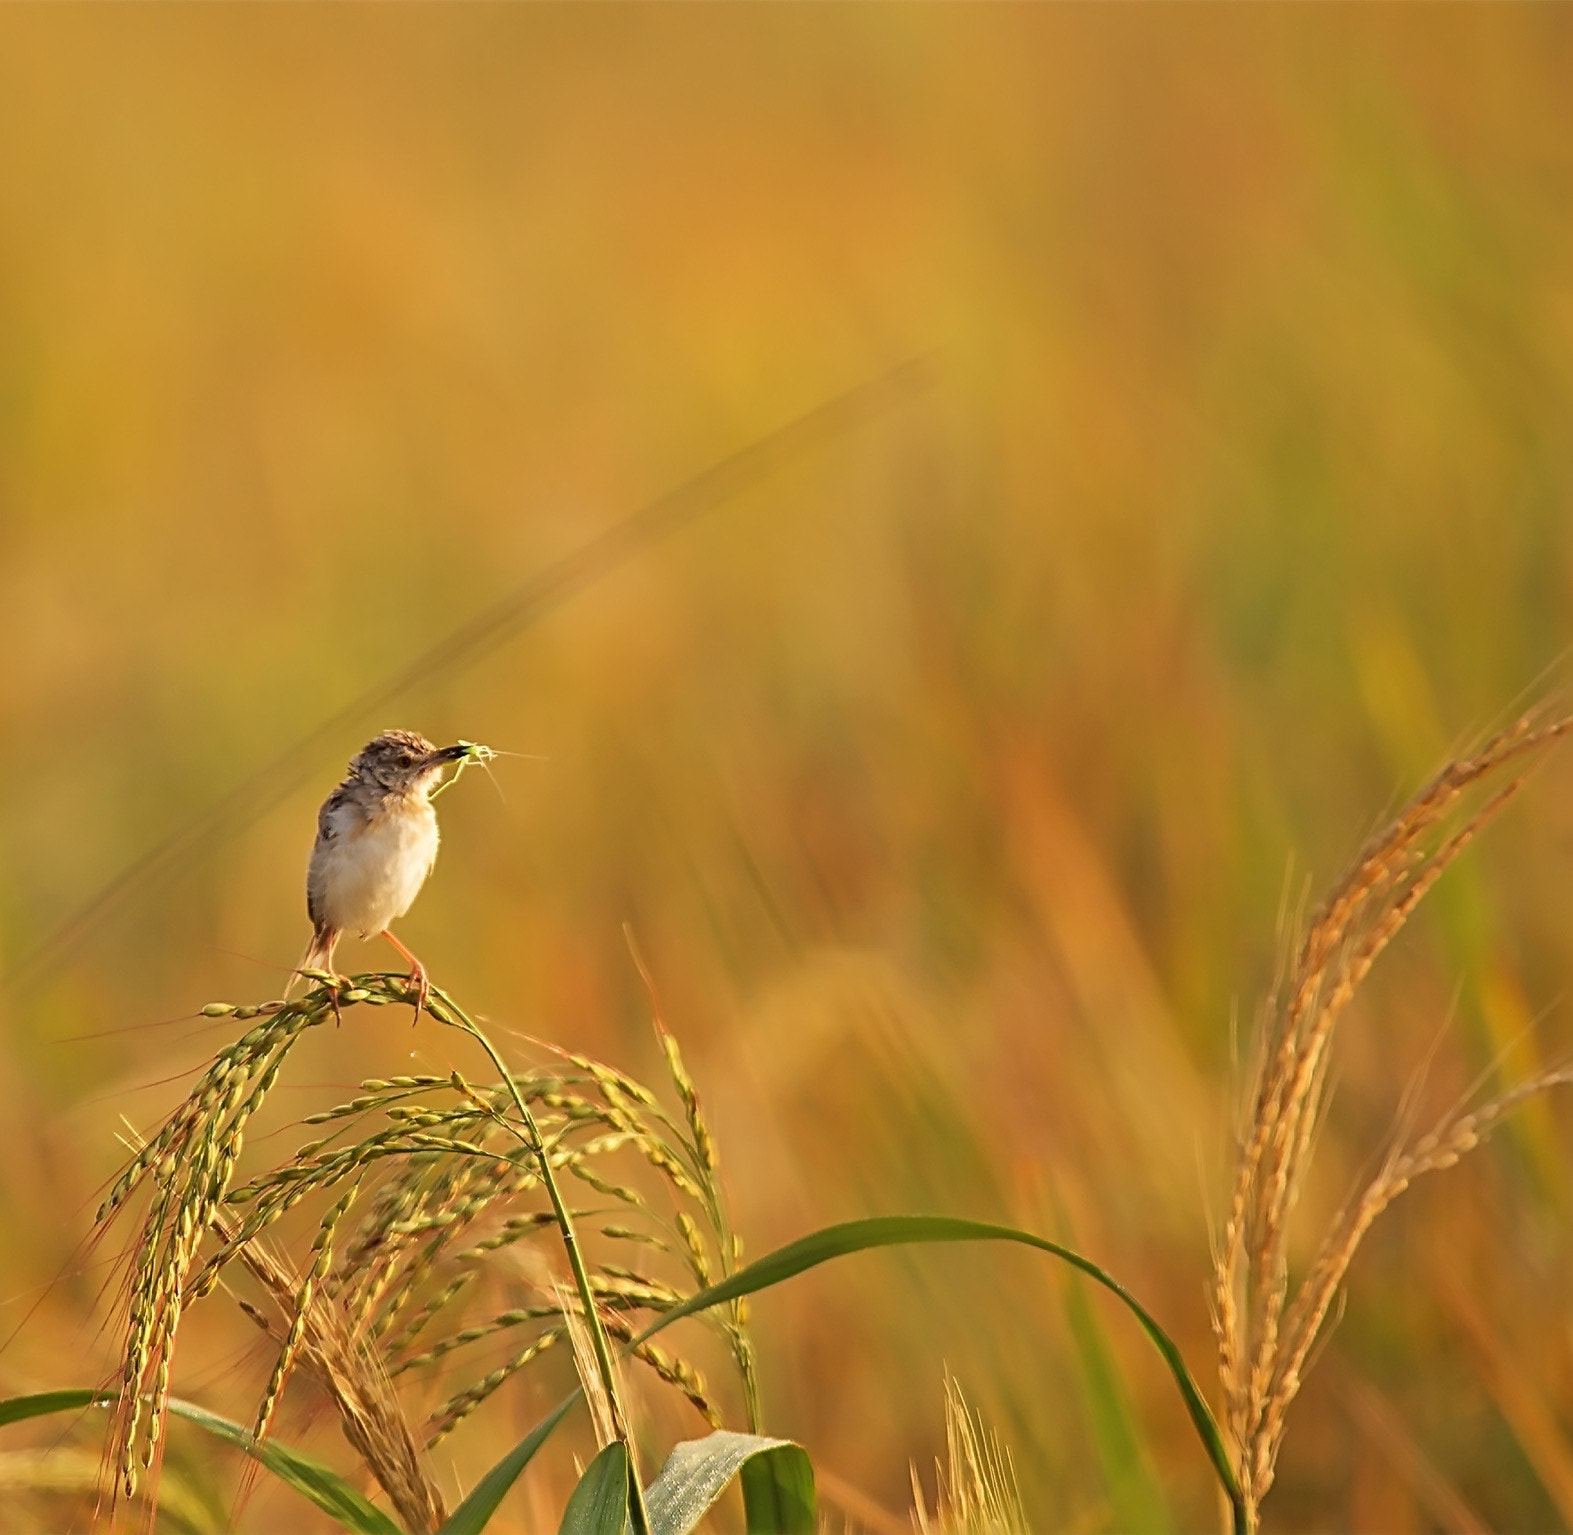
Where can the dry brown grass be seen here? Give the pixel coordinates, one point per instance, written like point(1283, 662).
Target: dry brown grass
point(1265, 1327)
point(316, 1333)
point(975, 1491)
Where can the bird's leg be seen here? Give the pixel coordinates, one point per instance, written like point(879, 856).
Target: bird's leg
point(333, 986)
point(417, 974)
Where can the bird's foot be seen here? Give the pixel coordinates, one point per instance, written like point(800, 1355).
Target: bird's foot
point(333, 985)
point(417, 981)
point(420, 984)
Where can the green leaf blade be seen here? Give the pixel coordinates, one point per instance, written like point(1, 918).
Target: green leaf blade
point(839, 1241)
point(779, 1497)
point(475, 1512)
point(918, 1230)
point(778, 1484)
point(314, 1481)
point(311, 1479)
point(599, 1504)
point(1135, 1494)
point(17, 1409)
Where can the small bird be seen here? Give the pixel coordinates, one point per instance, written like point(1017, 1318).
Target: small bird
point(376, 843)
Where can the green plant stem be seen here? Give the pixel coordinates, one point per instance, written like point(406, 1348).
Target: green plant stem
point(457, 1018)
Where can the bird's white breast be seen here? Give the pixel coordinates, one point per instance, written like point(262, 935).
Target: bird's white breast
point(372, 870)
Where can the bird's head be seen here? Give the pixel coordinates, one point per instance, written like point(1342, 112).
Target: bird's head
point(403, 762)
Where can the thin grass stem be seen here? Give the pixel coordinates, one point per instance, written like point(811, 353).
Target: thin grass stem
point(450, 1013)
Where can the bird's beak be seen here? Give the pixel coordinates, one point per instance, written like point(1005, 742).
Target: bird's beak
point(449, 754)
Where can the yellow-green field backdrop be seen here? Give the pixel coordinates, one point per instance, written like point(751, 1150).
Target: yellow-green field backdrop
point(953, 773)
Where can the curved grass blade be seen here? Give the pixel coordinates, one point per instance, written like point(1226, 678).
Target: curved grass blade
point(859, 1236)
point(599, 1504)
point(904, 1230)
point(326, 1488)
point(778, 1484)
point(472, 1515)
point(311, 1479)
point(17, 1409)
point(1135, 1494)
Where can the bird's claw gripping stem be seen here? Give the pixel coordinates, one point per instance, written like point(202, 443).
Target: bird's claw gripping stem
point(418, 981)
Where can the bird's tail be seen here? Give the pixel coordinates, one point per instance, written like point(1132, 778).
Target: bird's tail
point(319, 953)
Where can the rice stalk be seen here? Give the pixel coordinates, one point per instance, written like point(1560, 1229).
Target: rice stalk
point(502, 1322)
point(457, 1408)
point(603, 1403)
point(671, 1368)
point(706, 1162)
point(197, 1148)
point(420, 1184)
point(322, 1245)
point(370, 1414)
point(1264, 1328)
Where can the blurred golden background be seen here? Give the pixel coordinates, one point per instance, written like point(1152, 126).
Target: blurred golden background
point(952, 769)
